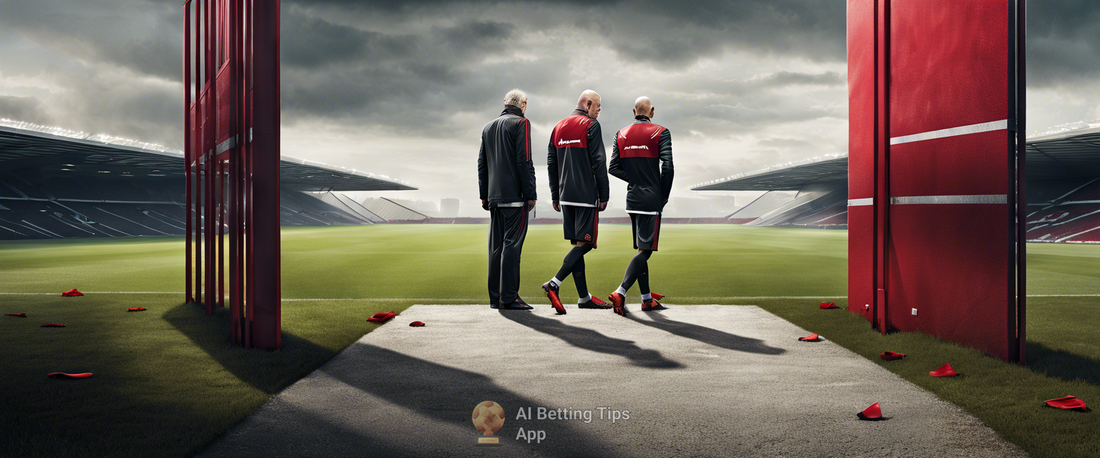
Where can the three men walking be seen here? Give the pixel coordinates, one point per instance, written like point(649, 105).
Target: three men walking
point(577, 167)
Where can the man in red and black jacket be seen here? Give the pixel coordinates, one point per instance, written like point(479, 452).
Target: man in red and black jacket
point(577, 165)
point(506, 180)
point(642, 156)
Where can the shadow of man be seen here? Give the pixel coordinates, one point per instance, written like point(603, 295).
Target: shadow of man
point(594, 341)
point(706, 335)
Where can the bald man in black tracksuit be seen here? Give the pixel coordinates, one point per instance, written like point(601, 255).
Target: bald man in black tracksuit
point(577, 164)
point(506, 178)
point(642, 156)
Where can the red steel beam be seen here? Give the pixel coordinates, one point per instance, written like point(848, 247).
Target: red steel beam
point(188, 296)
point(882, 158)
point(266, 321)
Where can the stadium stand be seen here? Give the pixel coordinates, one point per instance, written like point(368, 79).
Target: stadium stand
point(1063, 189)
point(393, 212)
point(56, 183)
point(763, 205)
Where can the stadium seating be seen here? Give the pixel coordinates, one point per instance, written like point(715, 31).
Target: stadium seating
point(127, 207)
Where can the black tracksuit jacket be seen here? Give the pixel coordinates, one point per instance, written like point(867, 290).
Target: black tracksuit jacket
point(576, 161)
point(505, 173)
point(642, 157)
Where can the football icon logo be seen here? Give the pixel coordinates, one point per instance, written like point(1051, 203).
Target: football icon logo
point(488, 418)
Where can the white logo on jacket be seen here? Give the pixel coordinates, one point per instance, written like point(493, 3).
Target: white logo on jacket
point(566, 142)
point(638, 147)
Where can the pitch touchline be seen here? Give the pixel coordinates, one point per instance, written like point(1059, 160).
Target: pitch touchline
point(310, 299)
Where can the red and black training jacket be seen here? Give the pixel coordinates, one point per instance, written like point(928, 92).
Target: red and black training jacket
point(505, 173)
point(642, 157)
point(576, 161)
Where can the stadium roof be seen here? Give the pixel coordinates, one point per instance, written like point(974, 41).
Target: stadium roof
point(54, 152)
point(1065, 154)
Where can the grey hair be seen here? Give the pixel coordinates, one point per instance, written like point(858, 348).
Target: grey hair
point(515, 97)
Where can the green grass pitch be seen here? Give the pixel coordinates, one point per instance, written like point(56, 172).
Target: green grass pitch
point(167, 382)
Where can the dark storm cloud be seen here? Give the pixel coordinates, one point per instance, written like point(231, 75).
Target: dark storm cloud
point(1063, 42)
point(23, 109)
point(142, 36)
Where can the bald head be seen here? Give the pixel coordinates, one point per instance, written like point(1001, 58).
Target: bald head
point(643, 106)
point(590, 101)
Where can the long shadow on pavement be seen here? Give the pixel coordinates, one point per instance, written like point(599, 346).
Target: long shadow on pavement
point(707, 335)
point(591, 340)
point(448, 395)
point(323, 419)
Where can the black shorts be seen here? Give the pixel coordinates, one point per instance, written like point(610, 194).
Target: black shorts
point(647, 229)
point(581, 223)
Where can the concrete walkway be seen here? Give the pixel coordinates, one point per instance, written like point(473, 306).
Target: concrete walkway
point(702, 380)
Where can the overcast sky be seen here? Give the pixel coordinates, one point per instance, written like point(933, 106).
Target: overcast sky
point(403, 88)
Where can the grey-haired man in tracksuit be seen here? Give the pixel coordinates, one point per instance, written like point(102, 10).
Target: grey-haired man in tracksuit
point(506, 181)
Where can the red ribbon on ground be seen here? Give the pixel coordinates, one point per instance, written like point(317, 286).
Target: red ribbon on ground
point(944, 371)
point(136, 309)
point(20, 315)
point(810, 338)
point(416, 324)
point(53, 325)
point(828, 305)
point(72, 293)
point(382, 317)
point(64, 375)
point(1068, 403)
point(891, 355)
point(871, 413)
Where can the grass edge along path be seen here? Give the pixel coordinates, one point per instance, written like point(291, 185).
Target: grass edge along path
point(1005, 396)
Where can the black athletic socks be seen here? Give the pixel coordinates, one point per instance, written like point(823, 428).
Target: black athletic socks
point(638, 267)
point(575, 256)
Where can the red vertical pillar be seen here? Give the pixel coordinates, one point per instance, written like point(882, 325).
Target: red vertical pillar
point(266, 322)
point(1020, 96)
point(249, 247)
point(861, 156)
point(187, 121)
point(882, 159)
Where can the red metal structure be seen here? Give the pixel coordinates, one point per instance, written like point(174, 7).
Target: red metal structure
point(231, 95)
point(936, 169)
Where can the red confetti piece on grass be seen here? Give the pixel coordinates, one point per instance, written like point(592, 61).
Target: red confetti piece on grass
point(944, 371)
point(1068, 403)
point(828, 305)
point(53, 325)
point(891, 355)
point(20, 315)
point(382, 317)
point(416, 324)
point(136, 309)
point(65, 375)
point(810, 338)
point(871, 413)
point(72, 293)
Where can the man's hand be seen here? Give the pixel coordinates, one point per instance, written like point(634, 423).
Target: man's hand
point(530, 205)
point(603, 206)
point(557, 206)
point(484, 204)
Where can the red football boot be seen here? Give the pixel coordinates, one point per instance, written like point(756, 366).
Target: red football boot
point(618, 302)
point(552, 293)
point(594, 303)
point(651, 305)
